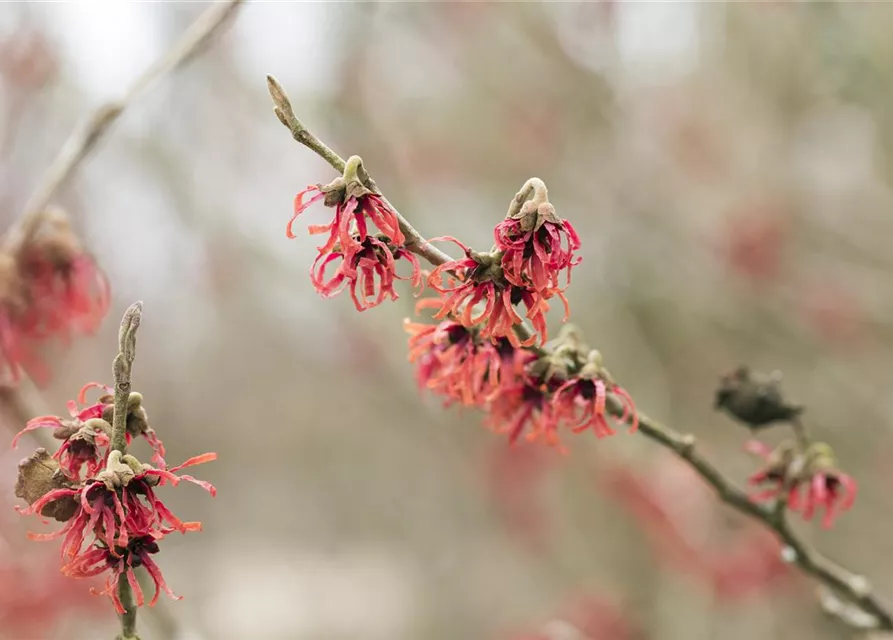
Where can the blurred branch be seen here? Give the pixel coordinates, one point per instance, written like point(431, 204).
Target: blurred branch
point(76, 149)
point(854, 588)
point(83, 140)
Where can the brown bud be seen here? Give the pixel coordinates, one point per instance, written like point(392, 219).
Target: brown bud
point(118, 472)
point(54, 240)
point(38, 475)
point(67, 429)
point(534, 215)
point(754, 398)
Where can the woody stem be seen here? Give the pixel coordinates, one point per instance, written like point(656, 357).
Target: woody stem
point(122, 365)
point(854, 587)
point(800, 434)
point(128, 618)
point(534, 189)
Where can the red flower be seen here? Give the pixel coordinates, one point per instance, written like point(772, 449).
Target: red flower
point(121, 564)
point(536, 249)
point(829, 489)
point(120, 519)
point(582, 401)
point(17, 352)
point(817, 485)
point(352, 203)
point(49, 287)
point(85, 435)
point(67, 293)
point(368, 264)
point(478, 278)
point(454, 362)
point(525, 407)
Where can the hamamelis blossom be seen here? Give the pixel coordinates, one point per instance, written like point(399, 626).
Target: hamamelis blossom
point(367, 268)
point(355, 206)
point(475, 292)
point(525, 408)
point(454, 362)
point(67, 293)
point(582, 401)
point(85, 434)
point(18, 353)
point(809, 481)
point(118, 520)
point(537, 246)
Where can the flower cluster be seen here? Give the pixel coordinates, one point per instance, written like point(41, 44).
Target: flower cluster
point(86, 434)
point(537, 246)
point(107, 499)
point(533, 247)
point(475, 291)
point(809, 481)
point(367, 260)
point(49, 288)
point(521, 391)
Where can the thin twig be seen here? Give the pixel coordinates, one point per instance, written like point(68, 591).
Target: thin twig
point(853, 587)
point(123, 367)
point(83, 140)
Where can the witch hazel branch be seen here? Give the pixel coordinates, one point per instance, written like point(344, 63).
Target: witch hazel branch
point(114, 519)
point(478, 351)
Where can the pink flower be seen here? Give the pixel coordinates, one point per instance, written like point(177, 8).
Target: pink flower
point(537, 247)
point(85, 435)
point(18, 353)
point(49, 288)
point(352, 204)
point(119, 519)
point(478, 279)
point(829, 489)
point(67, 293)
point(454, 362)
point(367, 268)
point(583, 402)
point(809, 481)
point(524, 408)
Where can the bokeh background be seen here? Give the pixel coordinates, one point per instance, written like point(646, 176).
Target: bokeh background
point(728, 167)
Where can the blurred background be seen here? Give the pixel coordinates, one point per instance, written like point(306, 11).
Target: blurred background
point(728, 168)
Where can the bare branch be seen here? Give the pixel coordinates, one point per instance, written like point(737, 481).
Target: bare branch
point(852, 587)
point(83, 140)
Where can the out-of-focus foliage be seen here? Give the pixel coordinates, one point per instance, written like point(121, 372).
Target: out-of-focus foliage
point(727, 167)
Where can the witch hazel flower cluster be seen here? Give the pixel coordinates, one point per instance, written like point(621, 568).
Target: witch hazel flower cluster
point(801, 474)
point(107, 499)
point(533, 249)
point(50, 289)
point(362, 261)
point(807, 480)
point(476, 354)
point(540, 395)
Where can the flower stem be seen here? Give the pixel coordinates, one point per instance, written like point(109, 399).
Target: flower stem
point(128, 618)
point(800, 433)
